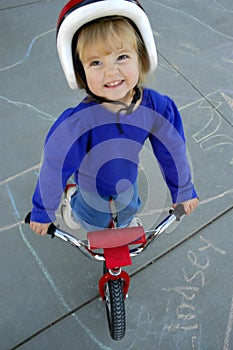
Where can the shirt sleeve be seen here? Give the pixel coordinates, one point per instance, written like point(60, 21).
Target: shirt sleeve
point(61, 158)
point(168, 143)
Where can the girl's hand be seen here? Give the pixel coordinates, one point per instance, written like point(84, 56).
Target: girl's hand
point(39, 228)
point(189, 206)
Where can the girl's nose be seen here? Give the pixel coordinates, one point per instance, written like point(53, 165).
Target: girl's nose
point(111, 68)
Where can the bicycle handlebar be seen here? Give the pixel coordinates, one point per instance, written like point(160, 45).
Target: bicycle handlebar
point(82, 245)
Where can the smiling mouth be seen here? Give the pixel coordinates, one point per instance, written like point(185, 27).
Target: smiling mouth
point(113, 84)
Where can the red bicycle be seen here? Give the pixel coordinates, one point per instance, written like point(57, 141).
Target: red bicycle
point(115, 249)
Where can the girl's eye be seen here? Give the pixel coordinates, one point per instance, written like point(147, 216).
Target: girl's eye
point(95, 63)
point(123, 57)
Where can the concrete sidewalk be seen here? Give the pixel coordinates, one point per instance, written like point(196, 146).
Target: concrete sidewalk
point(181, 294)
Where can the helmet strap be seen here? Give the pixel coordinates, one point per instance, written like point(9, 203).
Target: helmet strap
point(127, 109)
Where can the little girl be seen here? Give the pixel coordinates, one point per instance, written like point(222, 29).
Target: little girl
point(107, 48)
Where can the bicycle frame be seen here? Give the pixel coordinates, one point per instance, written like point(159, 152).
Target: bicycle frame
point(115, 243)
point(83, 245)
point(116, 272)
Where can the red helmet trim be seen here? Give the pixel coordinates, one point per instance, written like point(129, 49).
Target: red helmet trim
point(67, 8)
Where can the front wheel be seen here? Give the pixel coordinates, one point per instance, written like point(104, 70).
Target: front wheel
point(115, 307)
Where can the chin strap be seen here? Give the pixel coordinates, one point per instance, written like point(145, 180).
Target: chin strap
point(136, 97)
point(127, 109)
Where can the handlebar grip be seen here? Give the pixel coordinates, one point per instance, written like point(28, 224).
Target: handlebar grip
point(51, 228)
point(179, 211)
point(28, 218)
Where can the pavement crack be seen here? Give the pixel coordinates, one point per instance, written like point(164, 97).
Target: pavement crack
point(195, 88)
point(23, 5)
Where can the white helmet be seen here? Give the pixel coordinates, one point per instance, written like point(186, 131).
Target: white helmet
point(77, 13)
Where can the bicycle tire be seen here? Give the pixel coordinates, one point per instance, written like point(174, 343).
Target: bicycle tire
point(115, 308)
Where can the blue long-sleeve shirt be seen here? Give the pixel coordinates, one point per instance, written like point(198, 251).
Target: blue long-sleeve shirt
point(101, 148)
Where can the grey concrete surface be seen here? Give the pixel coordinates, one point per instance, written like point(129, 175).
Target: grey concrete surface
point(181, 294)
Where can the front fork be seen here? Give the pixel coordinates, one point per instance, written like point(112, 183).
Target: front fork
point(114, 274)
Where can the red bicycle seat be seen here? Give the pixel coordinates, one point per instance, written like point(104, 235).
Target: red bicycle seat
point(112, 238)
point(115, 244)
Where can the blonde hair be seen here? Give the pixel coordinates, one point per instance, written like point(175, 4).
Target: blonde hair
point(109, 33)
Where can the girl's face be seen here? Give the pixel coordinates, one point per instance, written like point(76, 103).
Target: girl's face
point(112, 75)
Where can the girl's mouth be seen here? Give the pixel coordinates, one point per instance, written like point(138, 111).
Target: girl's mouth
point(114, 84)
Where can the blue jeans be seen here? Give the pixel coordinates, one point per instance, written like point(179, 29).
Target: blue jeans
point(94, 212)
